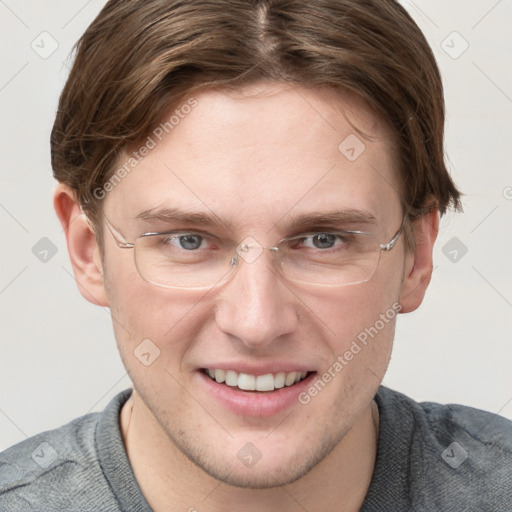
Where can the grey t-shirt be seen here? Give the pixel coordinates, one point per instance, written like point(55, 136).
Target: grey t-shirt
point(431, 457)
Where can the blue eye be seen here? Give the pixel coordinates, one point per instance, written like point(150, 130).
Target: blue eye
point(189, 242)
point(323, 240)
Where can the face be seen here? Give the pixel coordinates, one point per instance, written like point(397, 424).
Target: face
point(262, 161)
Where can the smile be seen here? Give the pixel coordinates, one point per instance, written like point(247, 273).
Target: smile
point(248, 382)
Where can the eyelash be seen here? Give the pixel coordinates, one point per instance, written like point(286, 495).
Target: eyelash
point(297, 239)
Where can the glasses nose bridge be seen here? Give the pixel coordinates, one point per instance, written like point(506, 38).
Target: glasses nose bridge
point(250, 250)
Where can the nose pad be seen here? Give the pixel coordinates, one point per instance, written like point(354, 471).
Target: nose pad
point(249, 250)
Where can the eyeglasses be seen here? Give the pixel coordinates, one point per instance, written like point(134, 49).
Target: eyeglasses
point(194, 259)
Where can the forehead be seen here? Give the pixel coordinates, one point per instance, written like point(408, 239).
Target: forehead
point(257, 155)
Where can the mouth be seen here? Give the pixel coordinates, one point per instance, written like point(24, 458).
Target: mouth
point(257, 394)
point(262, 383)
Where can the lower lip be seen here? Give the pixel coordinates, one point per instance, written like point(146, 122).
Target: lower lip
point(255, 403)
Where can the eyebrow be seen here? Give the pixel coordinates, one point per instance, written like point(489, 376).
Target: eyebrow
point(174, 215)
point(329, 218)
point(288, 223)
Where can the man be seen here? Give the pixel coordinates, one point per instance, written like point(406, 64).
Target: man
point(253, 188)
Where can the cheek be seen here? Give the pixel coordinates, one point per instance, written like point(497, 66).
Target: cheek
point(140, 311)
point(361, 321)
point(360, 324)
point(355, 308)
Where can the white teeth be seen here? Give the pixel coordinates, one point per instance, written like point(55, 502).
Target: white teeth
point(231, 378)
point(279, 380)
point(265, 382)
point(290, 378)
point(247, 382)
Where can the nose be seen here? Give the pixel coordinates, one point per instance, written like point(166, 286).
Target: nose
point(255, 306)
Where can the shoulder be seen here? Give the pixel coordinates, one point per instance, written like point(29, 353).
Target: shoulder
point(482, 427)
point(55, 470)
point(457, 457)
point(483, 433)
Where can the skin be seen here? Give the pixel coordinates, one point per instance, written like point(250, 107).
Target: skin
point(255, 158)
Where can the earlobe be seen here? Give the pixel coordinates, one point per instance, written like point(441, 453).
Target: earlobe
point(419, 262)
point(83, 247)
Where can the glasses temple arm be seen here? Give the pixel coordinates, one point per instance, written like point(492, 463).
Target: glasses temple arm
point(394, 240)
point(117, 236)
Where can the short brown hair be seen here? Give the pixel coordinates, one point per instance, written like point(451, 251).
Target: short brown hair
point(139, 58)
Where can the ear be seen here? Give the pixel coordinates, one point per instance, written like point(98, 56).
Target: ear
point(418, 264)
point(83, 248)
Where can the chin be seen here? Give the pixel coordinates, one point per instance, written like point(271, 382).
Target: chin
point(260, 476)
point(277, 464)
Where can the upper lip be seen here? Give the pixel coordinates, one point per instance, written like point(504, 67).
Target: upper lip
point(258, 369)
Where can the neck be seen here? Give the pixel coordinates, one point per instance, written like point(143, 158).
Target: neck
point(338, 483)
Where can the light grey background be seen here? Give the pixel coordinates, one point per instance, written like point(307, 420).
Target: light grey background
point(58, 358)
